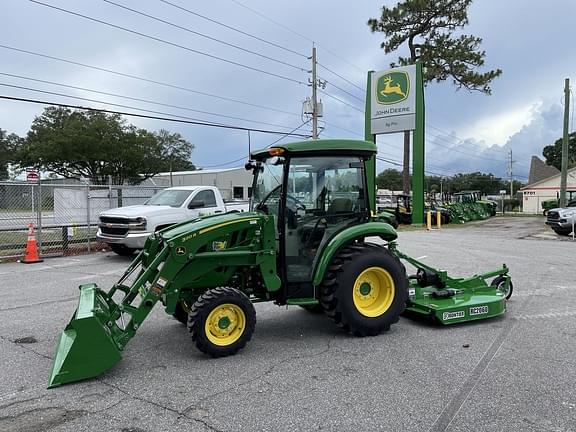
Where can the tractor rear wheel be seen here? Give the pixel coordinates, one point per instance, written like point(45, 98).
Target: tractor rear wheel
point(222, 321)
point(365, 289)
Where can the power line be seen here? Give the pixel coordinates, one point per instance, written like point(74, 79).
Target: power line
point(342, 90)
point(289, 133)
point(164, 41)
point(205, 36)
point(341, 101)
point(452, 136)
point(176, 120)
point(233, 28)
point(224, 163)
point(142, 100)
point(136, 77)
point(342, 78)
point(296, 33)
point(452, 148)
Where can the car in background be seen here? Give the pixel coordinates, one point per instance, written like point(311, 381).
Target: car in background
point(125, 229)
point(562, 220)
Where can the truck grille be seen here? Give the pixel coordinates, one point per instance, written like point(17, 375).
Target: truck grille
point(113, 231)
point(114, 220)
point(115, 226)
point(553, 216)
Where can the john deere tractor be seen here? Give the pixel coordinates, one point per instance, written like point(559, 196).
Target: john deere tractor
point(303, 242)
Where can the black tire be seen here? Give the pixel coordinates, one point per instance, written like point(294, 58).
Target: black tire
point(563, 232)
point(214, 300)
point(341, 286)
point(315, 309)
point(181, 312)
point(122, 250)
point(498, 281)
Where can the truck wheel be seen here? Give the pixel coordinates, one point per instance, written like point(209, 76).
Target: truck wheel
point(122, 250)
point(365, 289)
point(563, 232)
point(222, 321)
point(498, 282)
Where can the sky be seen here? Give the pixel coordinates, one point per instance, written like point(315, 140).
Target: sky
point(245, 63)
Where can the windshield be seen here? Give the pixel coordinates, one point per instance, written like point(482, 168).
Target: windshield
point(266, 189)
point(172, 198)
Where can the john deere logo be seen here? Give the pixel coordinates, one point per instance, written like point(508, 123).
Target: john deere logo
point(392, 88)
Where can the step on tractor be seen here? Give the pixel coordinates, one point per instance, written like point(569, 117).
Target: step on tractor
point(304, 242)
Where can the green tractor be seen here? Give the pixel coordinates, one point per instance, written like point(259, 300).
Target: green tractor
point(303, 242)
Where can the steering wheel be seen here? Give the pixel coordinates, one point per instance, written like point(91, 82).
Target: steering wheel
point(298, 205)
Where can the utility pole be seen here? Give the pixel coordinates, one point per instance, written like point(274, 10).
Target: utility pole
point(511, 177)
point(316, 107)
point(564, 170)
point(314, 100)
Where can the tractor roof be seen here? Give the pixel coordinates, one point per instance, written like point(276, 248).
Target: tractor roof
point(311, 146)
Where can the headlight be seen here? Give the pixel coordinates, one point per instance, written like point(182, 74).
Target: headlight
point(138, 224)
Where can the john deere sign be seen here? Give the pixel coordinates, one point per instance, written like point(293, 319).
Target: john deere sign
point(393, 100)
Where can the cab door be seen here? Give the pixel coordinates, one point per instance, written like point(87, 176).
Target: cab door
point(324, 195)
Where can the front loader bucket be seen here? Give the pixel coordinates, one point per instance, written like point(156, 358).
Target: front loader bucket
point(86, 347)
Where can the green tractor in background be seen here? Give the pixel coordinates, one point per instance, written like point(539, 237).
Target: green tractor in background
point(303, 242)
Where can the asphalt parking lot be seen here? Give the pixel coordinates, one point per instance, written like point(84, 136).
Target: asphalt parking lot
point(300, 372)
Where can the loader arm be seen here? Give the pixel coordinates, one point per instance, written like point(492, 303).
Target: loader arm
point(177, 263)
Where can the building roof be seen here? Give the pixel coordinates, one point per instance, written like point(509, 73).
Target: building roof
point(539, 170)
point(571, 177)
point(321, 145)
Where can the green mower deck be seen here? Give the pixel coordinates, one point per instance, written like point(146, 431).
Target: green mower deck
point(446, 300)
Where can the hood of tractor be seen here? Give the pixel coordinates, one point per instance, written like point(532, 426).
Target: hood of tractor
point(209, 224)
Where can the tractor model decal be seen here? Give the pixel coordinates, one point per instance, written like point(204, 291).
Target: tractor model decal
point(453, 315)
point(479, 310)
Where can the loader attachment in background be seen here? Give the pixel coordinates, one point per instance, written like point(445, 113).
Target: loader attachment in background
point(86, 347)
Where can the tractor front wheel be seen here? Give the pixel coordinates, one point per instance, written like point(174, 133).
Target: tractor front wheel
point(365, 289)
point(182, 310)
point(222, 321)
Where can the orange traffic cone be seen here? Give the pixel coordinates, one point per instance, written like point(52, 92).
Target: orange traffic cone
point(31, 255)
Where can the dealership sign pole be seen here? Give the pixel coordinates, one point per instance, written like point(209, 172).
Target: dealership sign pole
point(395, 103)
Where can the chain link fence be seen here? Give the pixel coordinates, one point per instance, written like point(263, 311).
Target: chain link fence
point(65, 216)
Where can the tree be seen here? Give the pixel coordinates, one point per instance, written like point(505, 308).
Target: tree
point(427, 27)
point(94, 145)
point(9, 144)
point(389, 179)
point(175, 152)
point(553, 153)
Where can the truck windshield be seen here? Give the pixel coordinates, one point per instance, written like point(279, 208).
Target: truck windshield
point(172, 198)
point(266, 188)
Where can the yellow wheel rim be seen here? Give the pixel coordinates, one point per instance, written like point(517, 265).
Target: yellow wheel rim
point(373, 292)
point(225, 324)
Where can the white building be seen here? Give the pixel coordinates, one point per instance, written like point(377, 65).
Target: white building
point(545, 189)
point(234, 183)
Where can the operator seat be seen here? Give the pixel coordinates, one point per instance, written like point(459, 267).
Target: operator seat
point(340, 205)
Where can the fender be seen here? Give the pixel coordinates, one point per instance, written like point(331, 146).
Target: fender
point(348, 235)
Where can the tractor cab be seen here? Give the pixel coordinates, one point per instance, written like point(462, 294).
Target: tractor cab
point(312, 195)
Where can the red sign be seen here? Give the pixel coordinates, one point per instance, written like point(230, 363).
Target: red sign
point(32, 176)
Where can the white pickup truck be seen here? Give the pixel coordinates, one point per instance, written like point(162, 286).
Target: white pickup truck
point(125, 229)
